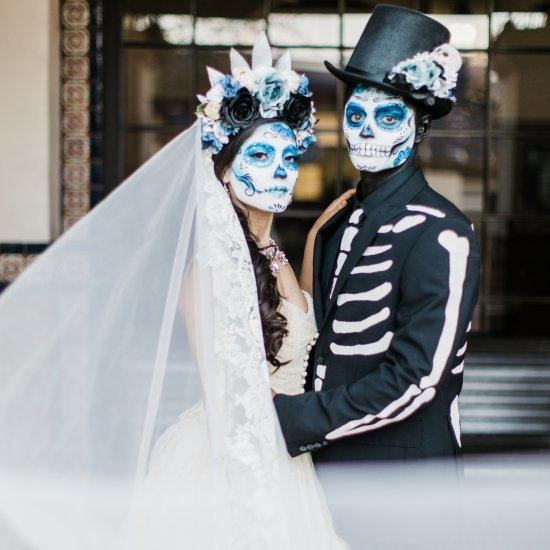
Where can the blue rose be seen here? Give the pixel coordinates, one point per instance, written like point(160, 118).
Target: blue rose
point(226, 129)
point(308, 141)
point(211, 141)
point(272, 92)
point(419, 73)
point(283, 130)
point(230, 86)
point(303, 88)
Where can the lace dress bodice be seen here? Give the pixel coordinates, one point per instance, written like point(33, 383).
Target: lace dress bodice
point(302, 333)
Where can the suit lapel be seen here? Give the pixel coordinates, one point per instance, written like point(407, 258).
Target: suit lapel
point(394, 205)
point(325, 251)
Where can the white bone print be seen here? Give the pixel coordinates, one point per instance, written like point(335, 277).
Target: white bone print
point(372, 268)
point(372, 348)
point(374, 250)
point(418, 395)
point(426, 210)
point(351, 327)
point(374, 295)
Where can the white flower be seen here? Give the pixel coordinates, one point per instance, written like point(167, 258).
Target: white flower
point(448, 57)
point(446, 88)
point(293, 80)
point(436, 70)
point(246, 78)
point(305, 138)
point(269, 113)
point(212, 110)
point(218, 132)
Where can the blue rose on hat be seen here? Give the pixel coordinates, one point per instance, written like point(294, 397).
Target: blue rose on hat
point(419, 73)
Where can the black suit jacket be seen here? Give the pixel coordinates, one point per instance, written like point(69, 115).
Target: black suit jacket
point(386, 371)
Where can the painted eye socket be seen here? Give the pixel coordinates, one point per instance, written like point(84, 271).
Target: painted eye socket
point(290, 157)
point(391, 117)
point(355, 115)
point(355, 118)
point(388, 119)
point(259, 154)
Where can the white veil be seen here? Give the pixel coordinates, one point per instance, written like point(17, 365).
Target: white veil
point(143, 307)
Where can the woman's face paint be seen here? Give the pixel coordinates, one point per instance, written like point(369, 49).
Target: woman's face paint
point(379, 128)
point(263, 173)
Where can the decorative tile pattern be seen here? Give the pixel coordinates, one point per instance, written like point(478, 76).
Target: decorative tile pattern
point(75, 15)
point(76, 123)
point(75, 20)
point(76, 42)
point(14, 258)
point(11, 265)
point(76, 68)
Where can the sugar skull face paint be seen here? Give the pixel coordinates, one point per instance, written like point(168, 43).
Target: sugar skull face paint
point(263, 173)
point(379, 128)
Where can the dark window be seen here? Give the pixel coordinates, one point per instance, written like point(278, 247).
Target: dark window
point(490, 156)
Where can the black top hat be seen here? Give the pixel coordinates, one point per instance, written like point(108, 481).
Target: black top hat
point(394, 34)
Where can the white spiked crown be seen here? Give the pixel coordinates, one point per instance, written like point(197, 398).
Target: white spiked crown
point(235, 101)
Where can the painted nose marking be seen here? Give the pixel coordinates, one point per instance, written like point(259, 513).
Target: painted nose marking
point(280, 172)
point(367, 131)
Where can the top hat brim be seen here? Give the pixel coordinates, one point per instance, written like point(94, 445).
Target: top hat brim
point(439, 109)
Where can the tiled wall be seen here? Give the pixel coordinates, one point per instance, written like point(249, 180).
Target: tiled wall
point(75, 21)
point(14, 258)
point(80, 51)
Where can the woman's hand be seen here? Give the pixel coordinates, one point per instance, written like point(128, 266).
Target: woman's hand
point(330, 210)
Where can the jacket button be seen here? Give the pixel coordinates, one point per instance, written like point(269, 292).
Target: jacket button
point(320, 359)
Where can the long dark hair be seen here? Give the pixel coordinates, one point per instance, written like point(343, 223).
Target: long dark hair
point(273, 322)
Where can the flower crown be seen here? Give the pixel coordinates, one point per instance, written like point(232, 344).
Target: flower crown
point(429, 74)
point(235, 101)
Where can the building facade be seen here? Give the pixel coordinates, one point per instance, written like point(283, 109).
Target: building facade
point(128, 72)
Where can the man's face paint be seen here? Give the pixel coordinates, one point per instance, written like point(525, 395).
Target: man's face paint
point(263, 173)
point(380, 129)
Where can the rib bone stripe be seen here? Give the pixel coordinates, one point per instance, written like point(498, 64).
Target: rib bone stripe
point(347, 239)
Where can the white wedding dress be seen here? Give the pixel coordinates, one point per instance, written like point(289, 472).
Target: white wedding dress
point(148, 301)
point(181, 459)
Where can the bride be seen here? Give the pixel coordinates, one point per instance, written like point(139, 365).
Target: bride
point(170, 296)
point(258, 169)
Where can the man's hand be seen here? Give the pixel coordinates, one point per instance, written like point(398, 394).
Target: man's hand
point(330, 210)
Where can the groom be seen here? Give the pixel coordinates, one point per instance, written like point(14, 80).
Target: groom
point(396, 272)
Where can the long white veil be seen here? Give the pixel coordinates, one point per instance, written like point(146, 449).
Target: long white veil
point(142, 308)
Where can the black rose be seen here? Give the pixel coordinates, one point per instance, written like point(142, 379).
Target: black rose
point(241, 110)
point(297, 111)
